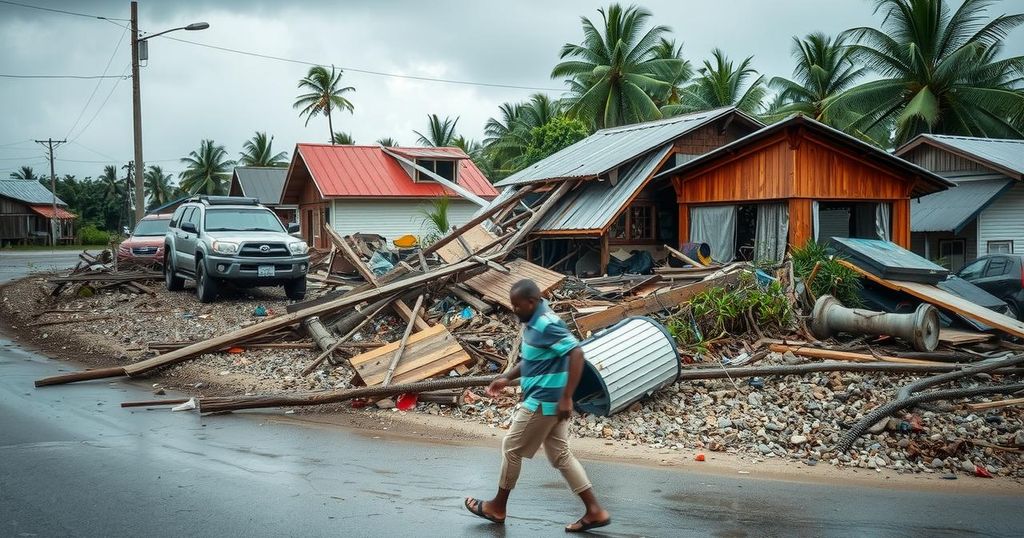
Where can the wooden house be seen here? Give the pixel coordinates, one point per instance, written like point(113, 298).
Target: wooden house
point(983, 214)
point(790, 182)
point(26, 213)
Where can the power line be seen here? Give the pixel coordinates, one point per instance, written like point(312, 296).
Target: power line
point(76, 77)
point(366, 71)
point(103, 104)
point(100, 153)
point(40, 8)
point(98, 84)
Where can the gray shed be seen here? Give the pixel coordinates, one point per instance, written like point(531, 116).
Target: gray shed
point(625, 362)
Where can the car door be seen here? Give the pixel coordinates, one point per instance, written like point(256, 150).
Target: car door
point(994, 280)
point(973, 271)
point(186, 243)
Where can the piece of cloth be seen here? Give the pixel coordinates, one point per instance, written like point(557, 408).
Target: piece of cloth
point(882, 221)
point(716, 226)
point(528, 432)
point(547, 342)
point(772, 232)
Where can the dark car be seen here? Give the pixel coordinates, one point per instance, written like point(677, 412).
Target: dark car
point(1001, 275)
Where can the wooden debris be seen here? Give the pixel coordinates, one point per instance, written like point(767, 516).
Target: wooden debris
point(428, 353)
point(403, 343)
point(994, 405)
point(472, 240)
point(832, 354)
point(495, 286)
point(957, 337)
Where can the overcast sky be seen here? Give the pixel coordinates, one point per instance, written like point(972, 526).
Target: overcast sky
point(191, 92)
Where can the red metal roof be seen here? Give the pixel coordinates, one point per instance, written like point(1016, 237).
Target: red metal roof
point(47, 211)
point(430, 153)
point(366, 171)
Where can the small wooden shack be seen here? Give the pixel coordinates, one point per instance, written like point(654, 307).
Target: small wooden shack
point(27, 213)
point(792, 181)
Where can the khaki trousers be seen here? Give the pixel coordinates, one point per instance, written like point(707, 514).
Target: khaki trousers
point(529, 430)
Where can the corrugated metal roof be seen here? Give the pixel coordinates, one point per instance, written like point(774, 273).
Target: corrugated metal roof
point(263, 183)
point(366, 171)
point(609, 148)
point(1001, 152)
point(595, 204)
point(952, 209)
point(28, 191)
point(47, 211)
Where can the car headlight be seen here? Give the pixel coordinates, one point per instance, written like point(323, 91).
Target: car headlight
point(298, 247)
point(225, 247)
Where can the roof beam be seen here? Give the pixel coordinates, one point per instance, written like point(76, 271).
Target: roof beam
point(454, 187)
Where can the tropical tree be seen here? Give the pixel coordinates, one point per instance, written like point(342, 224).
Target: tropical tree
point(941, 72)
point(721, 83)
point(551, 137)
point(615, 75)
point(823, 71)
point(440, 133)
point(207, 170)
point(258, 151)
point(508, 137)
point(387, 142)
point(435, 216)
point(324, 94)
point(158, 186)
point(343, 139)
point(667, 49)
point(25, 172)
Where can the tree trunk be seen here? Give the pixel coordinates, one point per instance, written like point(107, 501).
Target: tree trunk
point(330, 127)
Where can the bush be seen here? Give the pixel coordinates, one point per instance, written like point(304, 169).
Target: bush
point(832, 278)
point(91, 235)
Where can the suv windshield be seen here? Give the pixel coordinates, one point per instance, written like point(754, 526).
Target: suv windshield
point(242, 220)
point(151, 228)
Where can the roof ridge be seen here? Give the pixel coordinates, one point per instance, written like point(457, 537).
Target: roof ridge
point(978, 138)
point(665, 121)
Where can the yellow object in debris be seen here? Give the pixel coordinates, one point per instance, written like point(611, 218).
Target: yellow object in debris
point(406, 241)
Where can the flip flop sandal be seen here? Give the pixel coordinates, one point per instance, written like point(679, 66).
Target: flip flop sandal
point(479, 511)
point(584, 526)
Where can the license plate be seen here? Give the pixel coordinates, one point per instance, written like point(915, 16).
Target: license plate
point(265, 270)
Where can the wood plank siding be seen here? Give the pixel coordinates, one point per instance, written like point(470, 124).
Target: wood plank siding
point(939, 160)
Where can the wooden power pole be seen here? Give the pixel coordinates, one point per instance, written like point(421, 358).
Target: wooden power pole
point(51, 144)
point(140, 203)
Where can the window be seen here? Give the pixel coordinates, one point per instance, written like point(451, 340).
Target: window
point(242, 220)
point(636, 224)
point(443, 168)
point(1000, 247)
point(998, 266)
point(973, 270)
point(951, 252)
point(186, 216)
point(177, 216)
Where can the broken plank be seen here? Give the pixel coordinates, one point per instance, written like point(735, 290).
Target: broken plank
point(994, 405)
point(462, 294)
point(471, 240)
point(957, 337)
point(428, 353)
point(943, 299)
point(651, 303)
point(817, 353)
point(495, 286)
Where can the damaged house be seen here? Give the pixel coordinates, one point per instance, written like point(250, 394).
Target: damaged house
point(380, 190)
point(984, 214)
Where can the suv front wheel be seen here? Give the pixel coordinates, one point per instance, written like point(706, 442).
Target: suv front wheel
point(206, 285)
point(173, 282)
point(295, 288)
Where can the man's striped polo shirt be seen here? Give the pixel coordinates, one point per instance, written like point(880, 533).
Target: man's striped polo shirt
point(545, 362)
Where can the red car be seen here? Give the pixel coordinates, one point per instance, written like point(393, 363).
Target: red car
point(146, 244)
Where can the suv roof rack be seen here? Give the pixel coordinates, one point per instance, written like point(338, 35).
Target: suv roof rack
point(224, 200)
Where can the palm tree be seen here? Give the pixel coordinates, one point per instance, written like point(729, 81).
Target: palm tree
point(342, 139)
point(719, 84)
point(440, 133)
point(387, 142)
point(258, 151)
point(667, 49)
point(436, 216)
point(507, 138)
point(940, 71)
point(207, 170)
point(823, 71)
point(615, 75)
point(25, 172)
point(324, 95)
point(112, 186)
point(158, 185)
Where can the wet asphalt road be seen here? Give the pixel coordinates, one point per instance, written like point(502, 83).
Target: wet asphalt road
point(73, 463)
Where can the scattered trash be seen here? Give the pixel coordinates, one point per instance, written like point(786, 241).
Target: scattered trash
point(260, 311)
point(699, 457)
point(187, 406)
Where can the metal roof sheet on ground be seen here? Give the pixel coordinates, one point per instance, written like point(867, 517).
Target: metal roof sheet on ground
point(888, 260)
point(368, 172)
point(1003, 153)
point(29, 191)
point(609, 148)
point(595, 204)
point(263, 183)
point(952, 209)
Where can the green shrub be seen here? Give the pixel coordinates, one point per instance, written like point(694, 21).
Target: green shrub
point(91, 235)
point(832, 278)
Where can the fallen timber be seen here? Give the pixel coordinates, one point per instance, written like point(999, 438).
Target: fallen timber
point(195, 350)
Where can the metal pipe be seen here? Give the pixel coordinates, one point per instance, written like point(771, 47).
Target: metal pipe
point(920, 329)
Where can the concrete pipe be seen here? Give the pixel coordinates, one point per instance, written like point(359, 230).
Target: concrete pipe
point(920, 329)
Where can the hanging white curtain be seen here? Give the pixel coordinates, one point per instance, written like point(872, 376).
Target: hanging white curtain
point(882, 221)
point(814, 221)
point(772, 232)
point(716, 226)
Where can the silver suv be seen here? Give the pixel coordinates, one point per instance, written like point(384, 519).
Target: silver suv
point(212, 239)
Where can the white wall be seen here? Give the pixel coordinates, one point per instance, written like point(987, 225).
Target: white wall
point(1003, 221)
point(392, 218)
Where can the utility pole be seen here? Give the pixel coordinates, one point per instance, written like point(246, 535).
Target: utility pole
point(51, 144)
point(137, 113)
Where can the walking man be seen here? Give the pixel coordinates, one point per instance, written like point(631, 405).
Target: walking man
point(551, 362)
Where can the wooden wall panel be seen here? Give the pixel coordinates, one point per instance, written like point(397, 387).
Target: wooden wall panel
point(800, 221)
point(824, 173)
point(901, 223)
point(940, 160)
point(708, 138)
point(683, 234)
point(760, 175)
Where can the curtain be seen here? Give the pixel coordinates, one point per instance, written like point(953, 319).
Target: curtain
point(814, 221)
point(772, 232)
point(882, 221)
point(716, 226)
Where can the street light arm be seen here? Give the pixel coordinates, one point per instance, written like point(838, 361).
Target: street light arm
point(141, 39)
point(190, 27)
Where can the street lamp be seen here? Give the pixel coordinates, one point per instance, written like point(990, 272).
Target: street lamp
point(140, 170)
